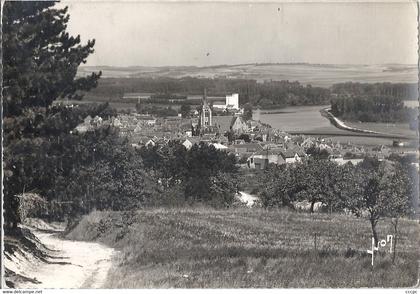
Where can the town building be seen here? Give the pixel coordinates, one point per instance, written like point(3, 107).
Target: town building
point(245, 149)
point(138, 96)
point(292, 156)
point(231, 103)
point(238, 125)
point(206, 113)
point(189, 142)
point(261, 159)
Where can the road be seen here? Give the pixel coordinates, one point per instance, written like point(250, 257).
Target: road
point(75, 264)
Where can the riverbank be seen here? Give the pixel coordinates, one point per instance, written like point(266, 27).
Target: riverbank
point(308, 120)
point(326, 112)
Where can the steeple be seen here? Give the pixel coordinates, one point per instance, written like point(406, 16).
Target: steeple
point(206, 114)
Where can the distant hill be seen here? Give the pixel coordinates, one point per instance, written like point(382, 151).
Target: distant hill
point(315, 74)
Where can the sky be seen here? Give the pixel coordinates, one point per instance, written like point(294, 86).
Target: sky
point(203, 33)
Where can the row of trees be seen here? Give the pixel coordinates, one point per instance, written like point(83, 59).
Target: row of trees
point(77, 173)
point(371, 109)
point(201, 174)
point(372, 188)
point(161, 111)
point(400, 90)
point(267, 94)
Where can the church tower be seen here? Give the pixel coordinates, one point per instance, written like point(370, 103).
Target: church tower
point(206, 115)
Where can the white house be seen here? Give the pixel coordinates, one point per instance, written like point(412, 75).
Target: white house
point(150, 143)
point(117, 123)
point(189, 142)
point(261, 159)
point(293, 155)
point(219, 146)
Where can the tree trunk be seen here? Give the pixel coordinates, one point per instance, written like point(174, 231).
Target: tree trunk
point(394, 249)
point(373, 223)
point(312, 206)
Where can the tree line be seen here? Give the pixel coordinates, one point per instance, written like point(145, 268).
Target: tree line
point(265, 95)
point(373, 189)
point(371, 109)
point(400, 90)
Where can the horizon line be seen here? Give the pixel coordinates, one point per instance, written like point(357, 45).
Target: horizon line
point(254, 63)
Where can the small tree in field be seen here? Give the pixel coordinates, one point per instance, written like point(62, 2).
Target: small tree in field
point(278, 186)
point(379, 188)
point(398, 191)
point(316, 181)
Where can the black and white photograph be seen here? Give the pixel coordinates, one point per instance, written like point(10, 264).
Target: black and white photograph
point(210, 145)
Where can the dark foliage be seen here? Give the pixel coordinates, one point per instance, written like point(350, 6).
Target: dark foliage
point(247, 112)
point(377, 188)
point(185, 111)
point(400, 90)
point(40, 61)
point(317, 152)
point(370, 108)
point(155, 110)
point(267, 94)
point(201, 174)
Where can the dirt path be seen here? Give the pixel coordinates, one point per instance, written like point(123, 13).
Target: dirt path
point(247, 198)
point(75, 264)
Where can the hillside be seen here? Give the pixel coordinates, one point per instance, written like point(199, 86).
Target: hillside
point(315, 74)
point(190, 248)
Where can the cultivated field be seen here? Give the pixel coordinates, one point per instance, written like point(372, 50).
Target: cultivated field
point(307, 120)
point(389, 128)
point(323, 75)
point(201, 247)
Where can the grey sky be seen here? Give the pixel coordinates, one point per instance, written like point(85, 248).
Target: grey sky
point(180, 33)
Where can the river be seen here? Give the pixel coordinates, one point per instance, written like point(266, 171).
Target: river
point(308, 120)
point(295, 118)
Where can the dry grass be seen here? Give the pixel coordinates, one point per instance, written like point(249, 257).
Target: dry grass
point(163, 248)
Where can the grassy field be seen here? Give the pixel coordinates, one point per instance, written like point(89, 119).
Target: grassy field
point(201, 247)
point(389, 128)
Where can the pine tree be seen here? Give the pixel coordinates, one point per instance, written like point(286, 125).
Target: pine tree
point(40, 61)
